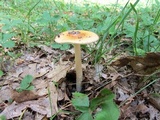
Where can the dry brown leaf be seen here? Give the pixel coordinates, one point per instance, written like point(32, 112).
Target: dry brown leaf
point(122, 95)
point(23, 96)
point(127, 112)
point(112, 75)
point(34, 70)
point(19, 61)
point(61, 95)
point(39, 116)
point(53, 94)
point(28, 115)
point(98, 72)
point(143, 65)
point(5, 93)
point(46, 48)
point(40, 86)
point(41, 106)
point(154, 113)
point(17, 72)
point(29, 70)
point(40, 83)
point(155, 100)
point(59, 71)
point(41, 72)
point(142, 108)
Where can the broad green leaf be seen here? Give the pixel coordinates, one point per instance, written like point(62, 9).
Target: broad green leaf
point(82, 109)
point(80, 101)
point(46, 16)
point(30, 87)
point(140, 51)
point(55, 18)
point(104, 95)
point(7, 36)
point(25, 83)
point(109, 111)
point(1, 73)
point(85, 116)
point(56, 45)
point(10, 24)
point(2, 117)
point(8, 44)
point(65, 47)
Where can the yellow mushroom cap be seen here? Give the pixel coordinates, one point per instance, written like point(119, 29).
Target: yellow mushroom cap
point(77, 37)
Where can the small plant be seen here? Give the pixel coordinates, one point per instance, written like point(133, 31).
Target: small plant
point(1, 73)
point(98, 108)
point(2, 117)
point(26, 84)
point(60, 46)
point(5, 40)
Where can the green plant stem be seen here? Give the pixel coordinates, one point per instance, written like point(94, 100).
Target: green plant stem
point(101, 42)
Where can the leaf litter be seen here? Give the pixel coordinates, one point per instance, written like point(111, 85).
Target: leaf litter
point(54, 82)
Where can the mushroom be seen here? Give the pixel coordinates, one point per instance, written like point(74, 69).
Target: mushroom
point(77, 37)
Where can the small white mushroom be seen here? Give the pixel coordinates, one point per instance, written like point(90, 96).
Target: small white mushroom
point(77, 37)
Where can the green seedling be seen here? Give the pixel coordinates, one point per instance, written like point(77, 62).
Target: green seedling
point(1, 73)
point(60, 46)
point(104, 101)
point(2, 117)
point(26, 83)
point(5, 40)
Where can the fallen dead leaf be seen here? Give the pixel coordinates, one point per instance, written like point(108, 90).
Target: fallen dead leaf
point(154, 113)
point(5, 94)
point(53, 95)
point(23, 96)
point(142, 108)
point(41, 106)
point(61, 94)
point(39, 116)
point(143, 65)
point(155, 100)
point(29, 70)
point(46, 48)
point(59, 71)
point(33, 70)
point(122, 95)
point(28, 115)
point(98, 72)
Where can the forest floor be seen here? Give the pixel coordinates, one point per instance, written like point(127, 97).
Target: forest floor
point(134, 80)
point(37, 75)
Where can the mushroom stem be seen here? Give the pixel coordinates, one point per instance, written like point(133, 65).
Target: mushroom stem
point(78, 65)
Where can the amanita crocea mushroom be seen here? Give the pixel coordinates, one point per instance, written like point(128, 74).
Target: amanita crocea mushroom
point(77, 37)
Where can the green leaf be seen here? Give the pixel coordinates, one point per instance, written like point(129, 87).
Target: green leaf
point(109, 111)
point(104, 95)
point(80, 102)
point(2, 117)
point(60, 46)
point(25, 83)
point(85, 116)
point(8, 44)
point(7, 36)
point(140, 51)
point(65, 47)
point(56, 45)
point(1, 73)
point(30, 87)
point(80, 99)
